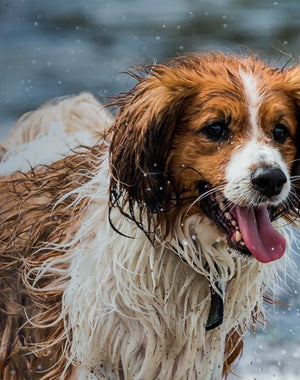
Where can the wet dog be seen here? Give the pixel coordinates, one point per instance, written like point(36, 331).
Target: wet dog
point(147, 252)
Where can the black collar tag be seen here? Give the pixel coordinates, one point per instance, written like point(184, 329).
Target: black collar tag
point(216, 312)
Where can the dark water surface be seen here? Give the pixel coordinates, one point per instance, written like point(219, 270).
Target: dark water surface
point(50, 48)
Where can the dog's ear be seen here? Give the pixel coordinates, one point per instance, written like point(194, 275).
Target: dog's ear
point(293, 88)
point(142, 137)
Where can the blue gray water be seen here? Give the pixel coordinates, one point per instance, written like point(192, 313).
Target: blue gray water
point(58, 47)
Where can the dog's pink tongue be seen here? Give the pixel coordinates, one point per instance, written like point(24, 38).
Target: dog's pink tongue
point(260, 237)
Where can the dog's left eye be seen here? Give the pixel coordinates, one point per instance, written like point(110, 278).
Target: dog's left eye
point(216, 131)
point(280, 133)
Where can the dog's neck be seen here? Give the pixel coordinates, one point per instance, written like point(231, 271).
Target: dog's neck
point(148, 306)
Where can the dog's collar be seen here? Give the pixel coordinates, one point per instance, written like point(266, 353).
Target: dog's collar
point(216, 311)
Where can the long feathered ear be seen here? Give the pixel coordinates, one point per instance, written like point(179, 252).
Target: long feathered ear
point(142, 137)
point(293, 87)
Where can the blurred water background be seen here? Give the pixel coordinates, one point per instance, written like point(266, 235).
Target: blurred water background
point(50, 48)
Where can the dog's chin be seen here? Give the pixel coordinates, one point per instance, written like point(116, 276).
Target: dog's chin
point(224, 216)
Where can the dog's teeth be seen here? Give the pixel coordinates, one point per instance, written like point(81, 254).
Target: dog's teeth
point(233, 222)
point(238, 236)
point(222, 205)
point(218, 197)
point(227, 215)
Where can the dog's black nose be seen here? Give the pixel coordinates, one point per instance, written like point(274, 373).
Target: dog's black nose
point(269, 181)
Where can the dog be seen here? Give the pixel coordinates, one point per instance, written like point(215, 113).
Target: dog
point(143, 246)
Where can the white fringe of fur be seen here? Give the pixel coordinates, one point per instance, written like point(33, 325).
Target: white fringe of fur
point(54, 130)
point(139, 308)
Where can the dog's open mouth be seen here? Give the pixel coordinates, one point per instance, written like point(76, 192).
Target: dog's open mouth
point(248, 230)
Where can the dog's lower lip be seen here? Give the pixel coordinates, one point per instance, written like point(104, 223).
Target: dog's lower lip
point(218, 209)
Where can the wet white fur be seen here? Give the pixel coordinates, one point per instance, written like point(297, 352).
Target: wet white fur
point(44, 150)
point(239, 189)
point(127, 301)
point(140, 305)
point(53, 131)
point(253, 98)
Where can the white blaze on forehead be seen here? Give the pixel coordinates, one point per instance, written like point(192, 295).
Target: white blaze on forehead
point(253, 98)
point(252, 153)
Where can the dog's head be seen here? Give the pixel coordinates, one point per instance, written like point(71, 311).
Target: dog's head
point(213, 135)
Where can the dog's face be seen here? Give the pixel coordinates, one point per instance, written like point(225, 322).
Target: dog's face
point(218, 134)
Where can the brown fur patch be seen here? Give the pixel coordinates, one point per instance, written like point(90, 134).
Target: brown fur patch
point(30, 217)
point(233, 350)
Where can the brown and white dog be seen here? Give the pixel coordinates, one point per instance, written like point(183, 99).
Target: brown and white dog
point(149, 254)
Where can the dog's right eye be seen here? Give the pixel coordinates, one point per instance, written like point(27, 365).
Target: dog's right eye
point(281, 133)
point(217, 131)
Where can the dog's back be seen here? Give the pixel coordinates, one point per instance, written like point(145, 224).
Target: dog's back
point(32, 213)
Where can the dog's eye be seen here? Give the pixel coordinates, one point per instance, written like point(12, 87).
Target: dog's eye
point(216, 131)
point(280, 133)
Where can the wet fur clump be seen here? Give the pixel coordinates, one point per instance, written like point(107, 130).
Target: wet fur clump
point(35, 226)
